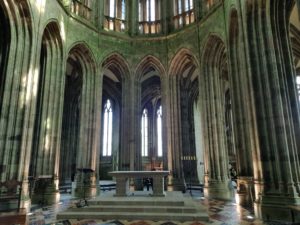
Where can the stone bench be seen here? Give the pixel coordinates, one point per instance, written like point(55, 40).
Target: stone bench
point(123, 177)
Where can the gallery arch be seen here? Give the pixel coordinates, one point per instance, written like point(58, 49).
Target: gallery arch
point(17, 83)
point(47, 128)
point(214, 63)
point(71, 118)
point(148, 96)
point(115, 73)
point(184, 96)
point(80, 119)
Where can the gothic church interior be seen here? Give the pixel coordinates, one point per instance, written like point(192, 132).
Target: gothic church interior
point(194, 87)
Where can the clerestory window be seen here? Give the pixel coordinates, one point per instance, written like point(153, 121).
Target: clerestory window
point(149, 16)
point(107, 129)
point(115, 15)
point(82, 8)
point(183, 13)
point(144, 132)
point(159, 132)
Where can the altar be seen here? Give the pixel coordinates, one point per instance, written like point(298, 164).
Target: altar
point(123, 177)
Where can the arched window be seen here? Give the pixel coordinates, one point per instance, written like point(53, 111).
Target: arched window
point(115, 15)
point(144, 131)
point(149, 16)
point(183, 13)
point(107, 129)
point(159, 132)
point(298, 86)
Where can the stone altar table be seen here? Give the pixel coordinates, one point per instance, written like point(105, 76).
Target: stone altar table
point(122, 181)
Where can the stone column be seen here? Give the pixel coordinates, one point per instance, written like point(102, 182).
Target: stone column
point(17, 96)
point(216, 168)
point(88, 154)
point(132, 17)
point(125, 132)
point(276, 109)
point(242, 112)
point(166, 128)
point(136, 125)
point(166, 15)
point(176, 178)
point(48, 124)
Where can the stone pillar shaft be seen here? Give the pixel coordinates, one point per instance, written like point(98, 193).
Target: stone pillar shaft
point(277, 109)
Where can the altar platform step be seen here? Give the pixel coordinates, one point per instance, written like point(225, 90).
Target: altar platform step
point(136, 209)
point(134, 216)
point(140, 206)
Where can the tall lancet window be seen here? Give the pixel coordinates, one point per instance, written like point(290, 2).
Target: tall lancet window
point(298, 86)
point(159, 132)
point(144, 131)
point(107, 129)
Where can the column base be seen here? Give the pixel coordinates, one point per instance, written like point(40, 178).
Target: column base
point(219, 190)
point(176, 184)
point(85, 186)
point(45, 192)
point(245, 191)
point(277, 211)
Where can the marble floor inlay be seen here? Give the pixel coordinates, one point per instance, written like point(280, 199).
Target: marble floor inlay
point(220, 213)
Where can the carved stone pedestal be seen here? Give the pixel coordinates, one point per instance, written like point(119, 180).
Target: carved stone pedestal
point(218, 190)
point(85, 185)
point(45, 190)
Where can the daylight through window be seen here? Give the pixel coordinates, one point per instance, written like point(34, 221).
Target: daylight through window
point(107, 129)
point(159, 132)
point(144, 131)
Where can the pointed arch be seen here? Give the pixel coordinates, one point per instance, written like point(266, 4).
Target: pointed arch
point(117, 64)
point(49, 90)
point(183, 59)
point(85, 54)
point(80, 120)
point(213, 52)
point(214, 63)
point(184, 88)
point(147, 63)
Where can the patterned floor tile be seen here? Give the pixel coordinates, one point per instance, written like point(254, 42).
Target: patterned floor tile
point(220, 213)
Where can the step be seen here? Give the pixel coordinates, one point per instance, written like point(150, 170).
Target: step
point(134, 216)
point(137, 209)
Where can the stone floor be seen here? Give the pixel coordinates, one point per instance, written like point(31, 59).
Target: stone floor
point(220, 213)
